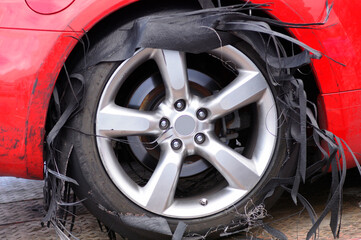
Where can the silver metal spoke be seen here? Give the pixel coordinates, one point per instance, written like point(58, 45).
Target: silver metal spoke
point(172, 66)
point(161, 187)
point(239, 171)
point(116, 121)
point(247, 88)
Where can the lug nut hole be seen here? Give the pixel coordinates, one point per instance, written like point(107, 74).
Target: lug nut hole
point(176, 144)
point(202, 114)
point(199, 138)
point(180, 105)
point(164, 124)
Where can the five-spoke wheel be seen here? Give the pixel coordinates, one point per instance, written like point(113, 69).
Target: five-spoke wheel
point(230, 130)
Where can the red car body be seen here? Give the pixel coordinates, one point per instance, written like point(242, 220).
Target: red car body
point(37, 36)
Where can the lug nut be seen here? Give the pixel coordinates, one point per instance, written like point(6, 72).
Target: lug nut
point(164, 124)
point(203, 201)
point(199, 138)
point(202, 114)
point(180, 105)
point(176, 144)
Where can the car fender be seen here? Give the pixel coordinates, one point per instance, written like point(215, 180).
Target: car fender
point(34, 49)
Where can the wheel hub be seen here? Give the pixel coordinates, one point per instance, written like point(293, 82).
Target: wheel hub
point(185, 125)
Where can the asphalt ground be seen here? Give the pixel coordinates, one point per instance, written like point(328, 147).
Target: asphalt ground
point(21, 212)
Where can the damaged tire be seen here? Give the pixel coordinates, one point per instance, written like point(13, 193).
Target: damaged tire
point(184, 137)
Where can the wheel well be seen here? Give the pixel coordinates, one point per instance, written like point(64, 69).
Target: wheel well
point(135, 10)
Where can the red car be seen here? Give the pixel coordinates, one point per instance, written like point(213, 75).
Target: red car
point(186, 129)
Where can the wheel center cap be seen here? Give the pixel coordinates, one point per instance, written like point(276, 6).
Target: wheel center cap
point(185, 125)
